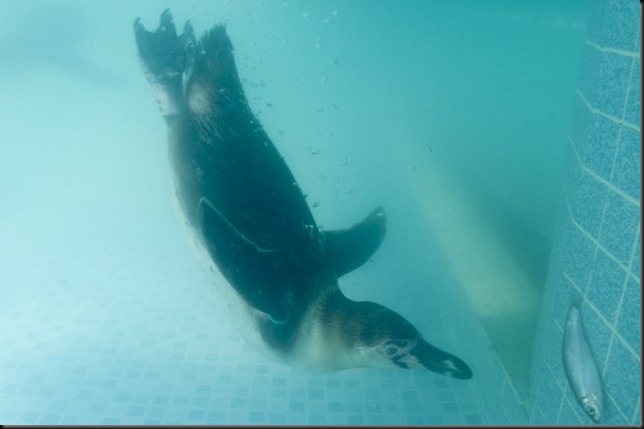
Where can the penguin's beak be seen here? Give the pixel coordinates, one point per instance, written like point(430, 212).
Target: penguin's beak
point(434, 359)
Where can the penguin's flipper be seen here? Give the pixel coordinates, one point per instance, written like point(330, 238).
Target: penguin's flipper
point(348, 249)
point(246, 265)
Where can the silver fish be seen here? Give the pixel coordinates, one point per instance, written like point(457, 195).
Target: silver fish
point(580, 365)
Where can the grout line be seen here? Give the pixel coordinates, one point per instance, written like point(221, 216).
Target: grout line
point(621, 300)
point(606, 49)
point(599, 178)
point(636, 411)
point(605, 182)
point(628, 89)
point(634, 247)
point(542, 416)
point(606, 115)
point(617, 407)
point(562, 391)
point(613, 331)
point(619, 131)
point(587, 301)
point(600, 246)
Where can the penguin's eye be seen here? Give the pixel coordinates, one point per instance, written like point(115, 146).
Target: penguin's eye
point(391, 350)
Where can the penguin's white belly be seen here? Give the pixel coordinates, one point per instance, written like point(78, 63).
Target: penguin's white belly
point(316, 351)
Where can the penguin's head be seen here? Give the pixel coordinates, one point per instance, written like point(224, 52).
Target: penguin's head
point(386, 339)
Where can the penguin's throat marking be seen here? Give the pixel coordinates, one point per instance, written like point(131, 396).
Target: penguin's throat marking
point(399, 353)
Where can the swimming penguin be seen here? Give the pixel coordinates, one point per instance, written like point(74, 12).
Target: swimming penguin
point(249, 220)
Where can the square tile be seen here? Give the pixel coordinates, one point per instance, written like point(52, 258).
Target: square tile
point(598, 334)
point(573, 404)
point(612, 414)
point(587, 203)
point(156, 413)
point(604, 79)
point(355, 419)
point(317, 419)
point(567, 416)
point(551, 395)
point(637, 255)
point(600, 144)
point(579, 130)
point(619, 226)
point(565, 293)
point(552, 353)
point(135, 411)
point(629, 320)
point(216, 416)
point(627, 169)
point(606, 16)
point(606, 285)
point(633, 110)
point(335, 407)
point(622, 378)
point(637, 417)
point(538, 419)
point(577, 255)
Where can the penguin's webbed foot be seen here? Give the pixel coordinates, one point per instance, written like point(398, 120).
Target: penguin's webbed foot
point(166, 58)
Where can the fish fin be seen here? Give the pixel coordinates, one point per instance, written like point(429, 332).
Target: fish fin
point(241, 260)
point(346, 250)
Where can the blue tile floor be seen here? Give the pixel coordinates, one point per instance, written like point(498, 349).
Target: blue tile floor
point(131, 332)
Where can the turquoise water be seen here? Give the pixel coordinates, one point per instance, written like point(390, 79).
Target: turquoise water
point(107, 316)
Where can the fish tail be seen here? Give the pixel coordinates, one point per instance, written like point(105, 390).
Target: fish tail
point(576, 299)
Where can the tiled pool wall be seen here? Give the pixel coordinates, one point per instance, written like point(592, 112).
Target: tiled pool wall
point(597, 250)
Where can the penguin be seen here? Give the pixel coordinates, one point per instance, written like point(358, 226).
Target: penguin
point(250, 223)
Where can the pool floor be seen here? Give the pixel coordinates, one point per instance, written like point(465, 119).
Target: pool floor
point(131, 333)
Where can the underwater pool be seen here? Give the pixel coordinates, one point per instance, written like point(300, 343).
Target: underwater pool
point(500, 137)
